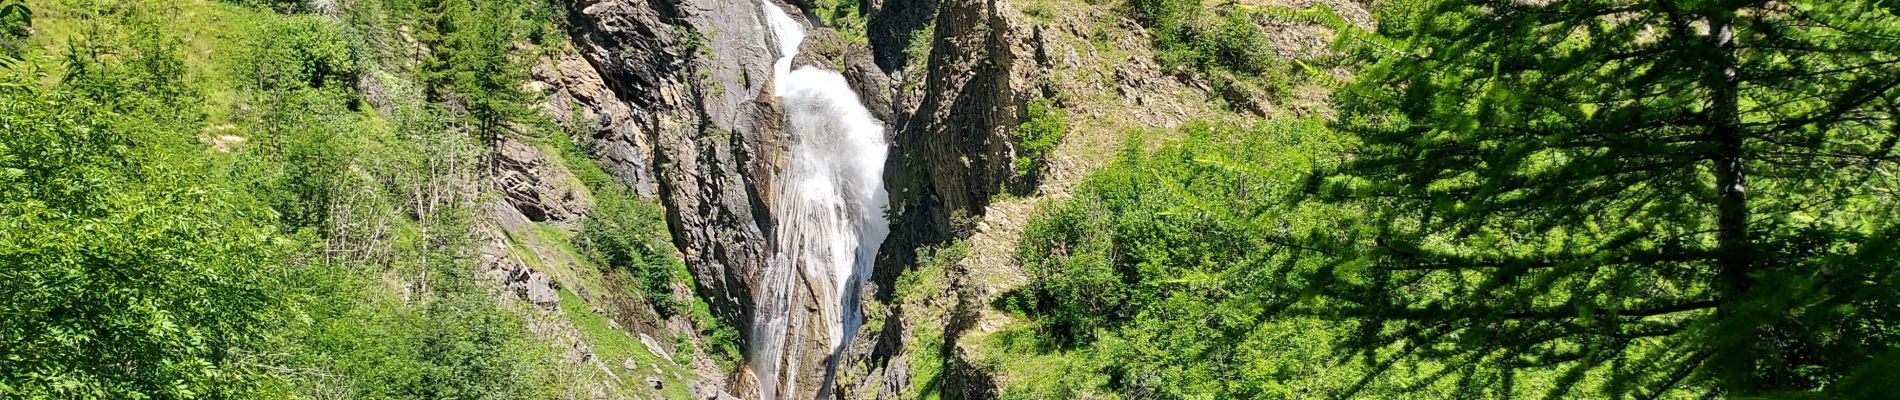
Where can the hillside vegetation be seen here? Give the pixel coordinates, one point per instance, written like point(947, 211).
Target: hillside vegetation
point(1589, 199)
point(280, 199)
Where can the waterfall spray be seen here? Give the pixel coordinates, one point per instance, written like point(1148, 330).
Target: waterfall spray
point(830, 208)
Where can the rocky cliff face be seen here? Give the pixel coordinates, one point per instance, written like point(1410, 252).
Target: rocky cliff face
point(688, 74)
point(692, 132)
point(959, 136)
point(953, 129)
point(952, 153)
point(684, 113)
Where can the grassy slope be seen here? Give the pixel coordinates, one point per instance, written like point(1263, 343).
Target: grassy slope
point(549, 249)
point(212, 33)
point(615, 346)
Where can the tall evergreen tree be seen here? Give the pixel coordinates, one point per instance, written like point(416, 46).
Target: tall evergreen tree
point(1641, 197)
point(471, 62)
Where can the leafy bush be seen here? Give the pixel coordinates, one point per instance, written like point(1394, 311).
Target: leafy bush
point(1235, 42)
point(1042, 128)
point(301, 52)
point(1076, 289)
point(846, 17)
point(1138, 280)
point(15, 22)
point(144, 234)
point(356, 337)
point(625, 234)
point(1189, 40)
point(131, 271)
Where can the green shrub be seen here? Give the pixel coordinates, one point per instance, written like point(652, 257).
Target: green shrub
point(1235, 42)
point(846, 17)
point(1074, 289)
point(16, 21)
point(144, 237)
point(130, 269)
point(1224, 46)
point(1043, 127)
point(622, 233)
point(301, 52)
point(469, 346)
point(1137, 280)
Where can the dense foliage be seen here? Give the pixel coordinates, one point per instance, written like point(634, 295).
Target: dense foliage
point(1667, 196)
point(1189, 35)
point(1223, 45)
point(1557, 199)
point(473, 64)
point(1044, 123)
point(15, 21)
point(280, 202)
point(1147, 276)
point(123, 279)
point(1591, 198)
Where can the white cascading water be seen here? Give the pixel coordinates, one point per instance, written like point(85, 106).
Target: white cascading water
point(830, 209)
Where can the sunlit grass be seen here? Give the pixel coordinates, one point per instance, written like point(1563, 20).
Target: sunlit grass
point(211, 35)
point(614, 346)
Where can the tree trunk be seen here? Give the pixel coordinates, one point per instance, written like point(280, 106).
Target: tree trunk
point(1734, 353)
point(1731, 175)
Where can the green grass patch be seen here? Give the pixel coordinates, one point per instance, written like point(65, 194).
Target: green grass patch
point(615, 346)
point(217, 36)
point(927, 297)
point(1027, 370)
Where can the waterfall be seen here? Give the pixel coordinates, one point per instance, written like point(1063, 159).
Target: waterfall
point(830, 209)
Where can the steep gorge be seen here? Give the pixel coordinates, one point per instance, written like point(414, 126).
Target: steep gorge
point(724, 121)
point(830, 207)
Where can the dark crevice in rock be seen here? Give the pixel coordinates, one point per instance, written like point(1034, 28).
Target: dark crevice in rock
point(891, 27)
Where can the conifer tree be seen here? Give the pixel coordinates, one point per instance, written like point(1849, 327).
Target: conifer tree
point(1639, 197)
point(471, 62)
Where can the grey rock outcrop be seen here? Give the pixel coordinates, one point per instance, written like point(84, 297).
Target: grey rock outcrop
point(534, 286)
point(535, 186)
point(953, 150)
point(578, 98)
point(688, 73)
